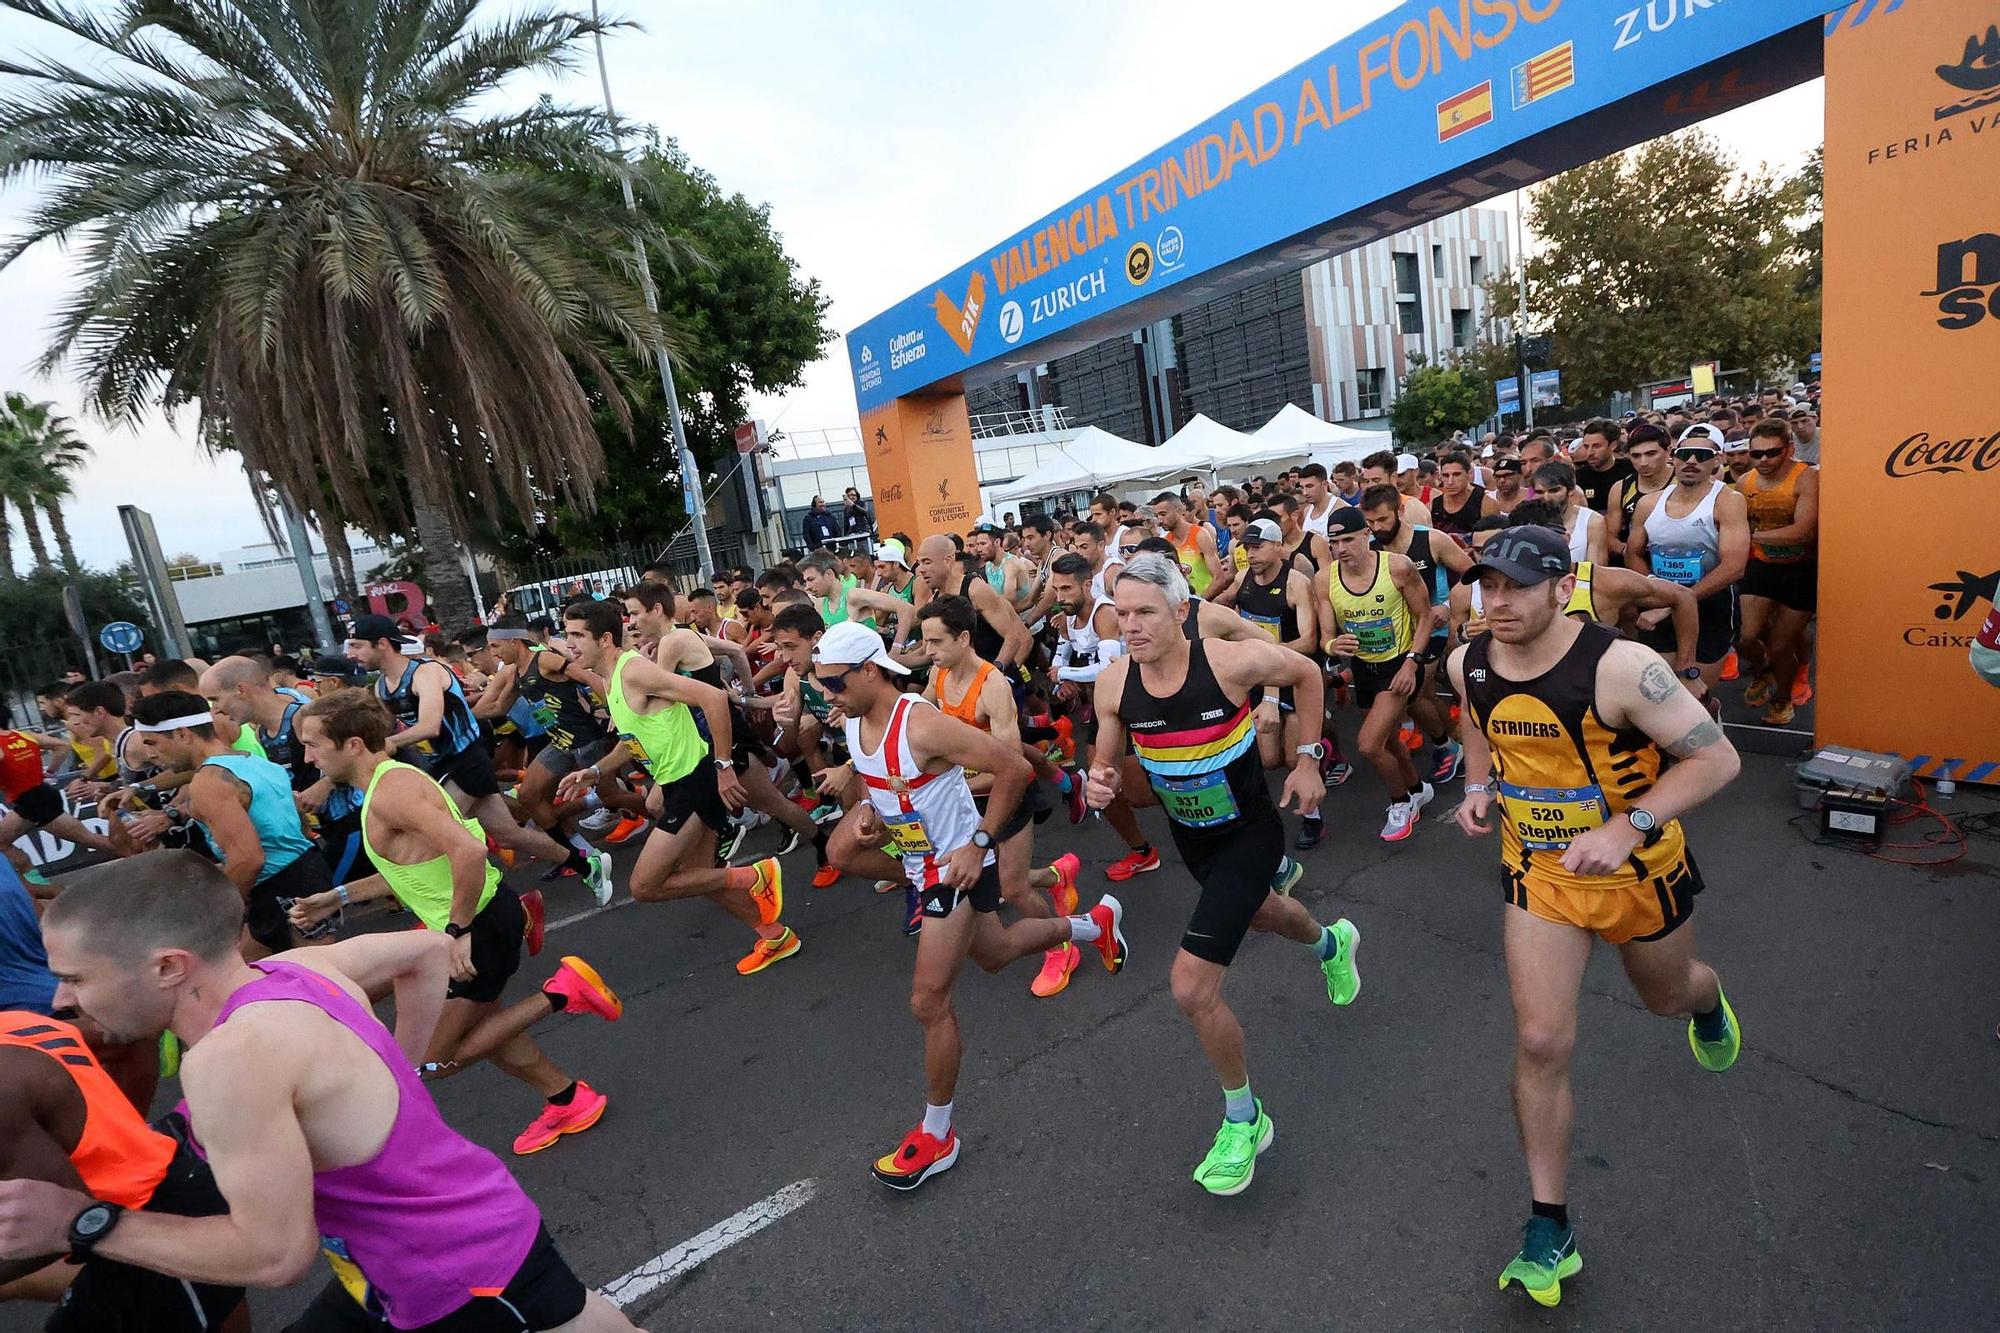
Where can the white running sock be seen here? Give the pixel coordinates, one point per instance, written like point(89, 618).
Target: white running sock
point(937, 1120)
point(582, 845)
point(1082, 930)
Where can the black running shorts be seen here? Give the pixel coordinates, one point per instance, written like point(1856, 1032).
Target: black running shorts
point(38, 804)
point(496, 948)
point(1794, 587)
point(693, 796)
point(940, 899)
point(1235, 871)
point(1715, 636)
point(470, 770)
point(543, 1294)
point(266, 918)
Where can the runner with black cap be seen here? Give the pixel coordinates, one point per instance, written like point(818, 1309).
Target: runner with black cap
point(1508, 484)
point(1570, 727)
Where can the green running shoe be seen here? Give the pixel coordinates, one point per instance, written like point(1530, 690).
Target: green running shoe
point(1548, 1255)
point(170, 1055)
point(1343, 982)
point(1233, 1160)
point(1716, 1056)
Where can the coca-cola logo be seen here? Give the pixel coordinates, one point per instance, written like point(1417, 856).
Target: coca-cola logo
point(1923, 453)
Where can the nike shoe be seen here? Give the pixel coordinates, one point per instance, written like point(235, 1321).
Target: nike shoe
point(1450, 760)
point(1716, 1056)
point(826, 876)
point(1400, 824)
point(916, 1159)
point(1758, 692)
point(1078, 809)
point(504, 855)
point(1289, 874)
point(1424, 796)
point(827, 812)
point(1411, 737)
point(1311, 829)
point(583, 991)
point(599, 878)
point(1109, 914)
point(769, 890)
point(1343, 979)
point(1731, 666)
point(628, 828)
point(766, 952)
point(1063, 895)
point(791, 843)
point(1548, 1255)
point(1057, 965)
point(599, 820)
point(1232, 1159)
point(585, 1109)
point(537, 913)
point(1802, 690)
point(1133, 863)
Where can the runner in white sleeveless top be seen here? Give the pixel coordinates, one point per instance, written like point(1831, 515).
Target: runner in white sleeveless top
point(1695, 533)
point(912, 759)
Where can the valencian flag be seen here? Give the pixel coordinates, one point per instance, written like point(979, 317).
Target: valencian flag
point(1467, 111)
point(1548, 73)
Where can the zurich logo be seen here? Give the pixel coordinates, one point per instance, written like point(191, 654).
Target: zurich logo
point(1011, 322)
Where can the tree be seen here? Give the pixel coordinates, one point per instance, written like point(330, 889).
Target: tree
point(1436, 400)
point(21, 482)
point(55, 453)
point(308, 219)
point(35, 605)
point(744, 320)
point(1665, 256)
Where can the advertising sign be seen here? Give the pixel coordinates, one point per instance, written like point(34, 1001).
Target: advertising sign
point(1917, 120)
point(1438, 105)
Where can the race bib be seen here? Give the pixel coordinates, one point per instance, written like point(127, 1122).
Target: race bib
point(1551, 818)
point(1269, 624)
point(1684, 565)
point(1198, 802)
point(352, 1280)
point(638, 751)
point(1779, 555)
point(910, 835)
point(1377, 634)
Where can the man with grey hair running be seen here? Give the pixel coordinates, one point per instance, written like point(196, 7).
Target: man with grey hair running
point(1185, 702)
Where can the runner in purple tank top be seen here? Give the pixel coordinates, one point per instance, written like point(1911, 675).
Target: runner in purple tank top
point(310, 1113)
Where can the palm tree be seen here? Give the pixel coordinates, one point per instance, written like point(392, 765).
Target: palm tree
point(22, 481)
point(308, 219)
point(57, 453)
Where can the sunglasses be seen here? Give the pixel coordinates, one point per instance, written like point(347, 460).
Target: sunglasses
point(1767, 453)
point(1694, 455)
point(837, 684)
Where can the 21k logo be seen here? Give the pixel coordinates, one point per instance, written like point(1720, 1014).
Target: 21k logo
point(960, 323)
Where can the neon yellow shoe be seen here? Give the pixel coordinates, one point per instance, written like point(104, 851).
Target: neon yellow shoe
point(1716, 1056)
point(1232, 1160)
point(170, 1055)
point(1548, 1255)
point(1343, 979)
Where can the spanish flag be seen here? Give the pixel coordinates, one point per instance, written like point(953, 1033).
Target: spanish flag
point(1467, 111)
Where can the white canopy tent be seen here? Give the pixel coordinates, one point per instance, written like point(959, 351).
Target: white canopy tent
point(1092, 461)
point(1305, 435)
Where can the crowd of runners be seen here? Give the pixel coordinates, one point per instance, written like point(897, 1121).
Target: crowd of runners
point(1540, 622)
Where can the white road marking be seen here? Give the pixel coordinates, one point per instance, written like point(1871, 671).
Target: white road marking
point(588, 913)
point(657, 1272)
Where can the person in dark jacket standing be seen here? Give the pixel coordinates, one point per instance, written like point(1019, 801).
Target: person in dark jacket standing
point(820, 527)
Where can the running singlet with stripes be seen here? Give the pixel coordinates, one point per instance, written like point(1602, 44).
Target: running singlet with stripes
point(425, 887)
point(1377, 615)
point(1199, 576)
point(431, 1220)
point(458, 730)
point(930, 815)
point(667, 742)
point(1198, 748)
point(119, 1157)
point(1558, 770)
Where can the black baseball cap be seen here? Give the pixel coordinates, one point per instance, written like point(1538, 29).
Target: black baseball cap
point(336, 666)
point(1526, 554)
point(1509, 464)
point(1343, 519)
point(369, 628)
point(990, 528)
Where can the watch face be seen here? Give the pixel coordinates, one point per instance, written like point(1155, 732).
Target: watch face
point(1641, 820)
point(92, 1221)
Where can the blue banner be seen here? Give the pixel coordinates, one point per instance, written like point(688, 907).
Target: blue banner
point(1439, 105)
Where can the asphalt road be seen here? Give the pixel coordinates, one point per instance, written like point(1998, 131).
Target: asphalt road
point(1845, 1175)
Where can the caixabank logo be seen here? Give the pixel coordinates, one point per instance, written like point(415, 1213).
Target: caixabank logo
point(1952, 623)
point(1968, 282)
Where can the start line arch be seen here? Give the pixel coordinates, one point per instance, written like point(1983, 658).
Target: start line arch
point(1443, 103)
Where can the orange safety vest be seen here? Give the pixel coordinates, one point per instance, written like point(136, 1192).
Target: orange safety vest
point(120, 1158)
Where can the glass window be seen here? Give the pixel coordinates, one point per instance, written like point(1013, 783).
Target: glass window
point(798, 490)
point(1437, 263)
point(1368, 386)
point(1461, 328)
point(1410, 316)
point(1407, 281)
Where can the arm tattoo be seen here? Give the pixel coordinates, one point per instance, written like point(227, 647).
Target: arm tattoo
point(1657, 683)
point(1704, 735)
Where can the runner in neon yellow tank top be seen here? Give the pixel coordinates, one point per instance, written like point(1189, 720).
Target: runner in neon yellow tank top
point(433, 859)
point(696, 789)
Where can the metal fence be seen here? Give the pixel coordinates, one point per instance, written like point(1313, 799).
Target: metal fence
point(28, 664)
point(543, 587)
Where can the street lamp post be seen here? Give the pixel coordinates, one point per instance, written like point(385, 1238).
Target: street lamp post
point(697, 504)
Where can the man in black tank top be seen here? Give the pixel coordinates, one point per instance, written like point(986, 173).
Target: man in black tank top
point(1184, 703)
point(1568, 726)
point(1653, 470)
point(1461, 504)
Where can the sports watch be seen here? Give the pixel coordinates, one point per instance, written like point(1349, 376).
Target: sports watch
point(982, 839)
point(1644, 821)
point(90, 1226)
point(1314, 749)
point(456, 931)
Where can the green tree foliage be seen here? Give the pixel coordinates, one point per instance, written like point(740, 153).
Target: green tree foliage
point(1666, 256)
point(31, 608)
point(1436, 400)
point(39, 451)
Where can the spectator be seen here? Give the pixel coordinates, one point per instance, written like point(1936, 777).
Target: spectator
point(854, 518)
point(820, 527)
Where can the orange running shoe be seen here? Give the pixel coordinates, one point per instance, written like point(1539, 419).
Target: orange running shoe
point(1413, 739)
point(1063, 895)
point(504, 855)
point(628, 828)
point(585, 1109)
point(1109, 914)
point(916, 1159)
point(583, 991)
point(826, 876)
point(769, 890)
point(766, 952)
point(1802, 690)
point(1057, 964)
point(537, 913)
point(1731, 668)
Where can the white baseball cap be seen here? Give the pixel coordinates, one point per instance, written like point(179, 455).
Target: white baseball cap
point(1704, 433)
point(851, 643)
point(1261, 530)
point(893, 553)
point(1406, 462)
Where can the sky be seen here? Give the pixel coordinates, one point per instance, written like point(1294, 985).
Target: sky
point(893, 140)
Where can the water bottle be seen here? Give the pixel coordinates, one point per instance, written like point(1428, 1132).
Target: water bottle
point(1944, 789)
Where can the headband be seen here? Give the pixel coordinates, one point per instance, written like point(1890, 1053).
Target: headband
point(526, 636)
point(176, 723)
